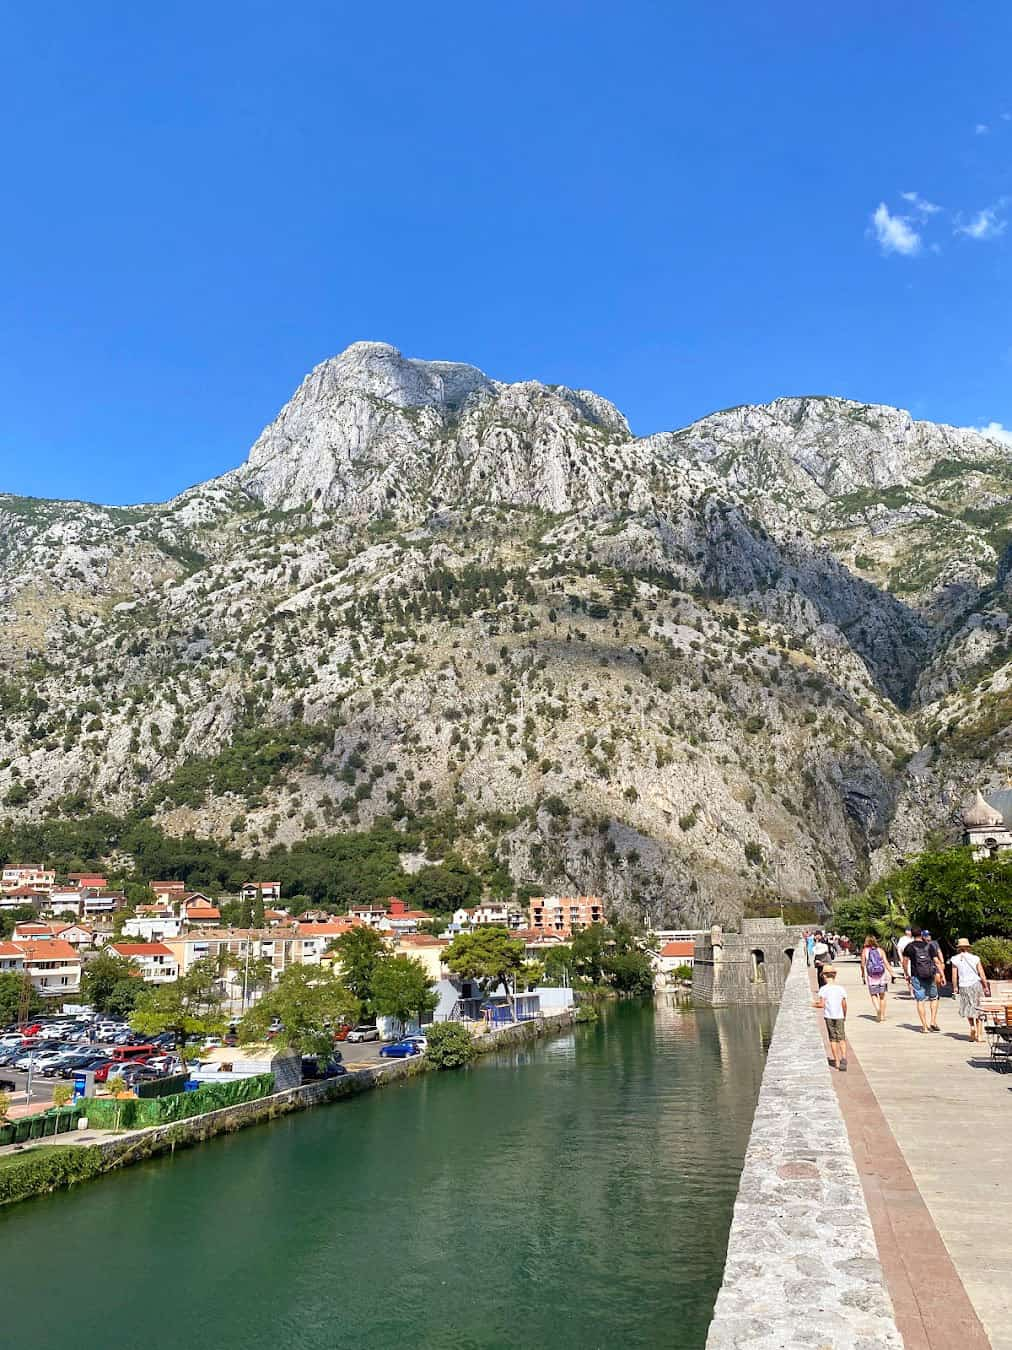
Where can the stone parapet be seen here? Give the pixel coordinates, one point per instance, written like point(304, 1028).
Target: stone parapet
point(802, 1270)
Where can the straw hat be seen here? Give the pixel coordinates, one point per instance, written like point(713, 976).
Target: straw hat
point(829, 970)
point(962, 942)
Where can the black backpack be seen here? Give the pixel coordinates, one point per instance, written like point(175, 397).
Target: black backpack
point(922, 959)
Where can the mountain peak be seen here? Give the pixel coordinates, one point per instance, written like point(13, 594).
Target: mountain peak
point(371, 431)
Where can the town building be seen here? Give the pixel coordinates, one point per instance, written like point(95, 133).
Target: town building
point(12, 959)
point(373, 916)
point(155, 925)
point(171, 891)
point(24, 897)
point(565, 914)
point(268, 891)
point(17, 876)
point(88, 881)
point(53, 966)
point(497, 913)
point(198, 911)
point(156, 962)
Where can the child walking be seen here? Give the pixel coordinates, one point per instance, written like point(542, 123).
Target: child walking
point(833, 1002)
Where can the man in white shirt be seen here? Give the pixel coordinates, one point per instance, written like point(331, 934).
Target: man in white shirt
point(833, 1002)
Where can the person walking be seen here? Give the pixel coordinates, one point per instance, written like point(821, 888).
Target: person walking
point(969, 981)
point(875, 974)
point(833, 1002)
point(922, 965)
point(901, 946)
point(820, 955)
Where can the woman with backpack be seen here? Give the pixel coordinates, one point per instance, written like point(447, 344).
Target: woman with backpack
point(875, 974)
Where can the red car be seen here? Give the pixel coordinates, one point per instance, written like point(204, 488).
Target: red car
point(341, 1034)
point(33, 1030)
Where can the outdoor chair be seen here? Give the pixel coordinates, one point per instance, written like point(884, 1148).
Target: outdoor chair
point(1000, 1038)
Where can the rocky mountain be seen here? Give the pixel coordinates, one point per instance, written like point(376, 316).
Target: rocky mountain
point(769, 651)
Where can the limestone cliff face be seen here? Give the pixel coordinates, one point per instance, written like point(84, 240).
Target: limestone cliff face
point(767, 650)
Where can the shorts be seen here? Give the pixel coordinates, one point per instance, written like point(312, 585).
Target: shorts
point(923, 989)
point(835, 1028)
point(878, 986)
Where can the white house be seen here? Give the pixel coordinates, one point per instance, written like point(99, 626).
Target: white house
point(153, 927)
point(52, 965)
point(156, 962)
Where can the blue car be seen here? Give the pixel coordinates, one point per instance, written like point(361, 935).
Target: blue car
point(400, 1050)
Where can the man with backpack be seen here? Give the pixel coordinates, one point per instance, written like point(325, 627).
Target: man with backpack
point(922, 965)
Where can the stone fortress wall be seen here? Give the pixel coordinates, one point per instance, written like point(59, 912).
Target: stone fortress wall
point(750, 966)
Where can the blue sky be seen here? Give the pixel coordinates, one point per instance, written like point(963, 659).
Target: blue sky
point(682, 206)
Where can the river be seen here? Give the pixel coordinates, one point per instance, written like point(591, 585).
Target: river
point(574, 1194)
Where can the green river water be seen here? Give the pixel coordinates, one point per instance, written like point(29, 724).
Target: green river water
point(574, 1194)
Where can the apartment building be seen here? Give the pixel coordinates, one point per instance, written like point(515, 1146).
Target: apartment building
point(565, 914)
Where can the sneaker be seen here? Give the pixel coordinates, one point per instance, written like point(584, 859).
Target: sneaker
point(843, 1066)
point(935, 1028)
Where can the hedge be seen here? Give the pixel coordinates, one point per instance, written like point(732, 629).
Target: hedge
point(133, 1113)
point(161, 1087)
point(39, 1170)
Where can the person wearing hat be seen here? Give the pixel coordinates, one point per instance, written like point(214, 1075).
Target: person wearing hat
point(969, 982)
point(832, 1000)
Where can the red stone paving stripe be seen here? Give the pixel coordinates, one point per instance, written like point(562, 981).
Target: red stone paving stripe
point(932, 1309)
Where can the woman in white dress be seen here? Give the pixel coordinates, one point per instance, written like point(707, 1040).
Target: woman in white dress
point(969, 982)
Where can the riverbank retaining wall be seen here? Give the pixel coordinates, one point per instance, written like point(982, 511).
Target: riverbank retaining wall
point(802, 1267)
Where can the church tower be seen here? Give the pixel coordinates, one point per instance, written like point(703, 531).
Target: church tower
point(984, 829)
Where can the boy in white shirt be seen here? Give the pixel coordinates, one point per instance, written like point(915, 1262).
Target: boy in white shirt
point(833, 1002)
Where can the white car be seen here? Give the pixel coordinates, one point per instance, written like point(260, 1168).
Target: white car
point(363, 1033)
point(417, 1039)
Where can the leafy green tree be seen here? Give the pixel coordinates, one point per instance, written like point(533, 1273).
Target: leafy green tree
point(111, 983)
point(189, 1007)
point(488, 955)
point(451, 1045)
point(253, 976)
point(630, 973)
point(401, 989)
point(258, 918)
point(945, 890)
point(308, 1000)
point(12, 989)
point(358, 951)
point(62, 1093)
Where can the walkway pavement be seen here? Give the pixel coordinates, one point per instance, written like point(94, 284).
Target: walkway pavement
point(950, 1117)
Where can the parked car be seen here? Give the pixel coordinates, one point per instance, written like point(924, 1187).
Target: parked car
point(312, 1071)
point(10, 1039)
point(9, 1054)
point(418, 1038)
point(343, 1031)
point(25, 1060)
point(165, 1064)
point(363, 1033)
point(8, 1085)
point(82, 1064)
point(400, 1050)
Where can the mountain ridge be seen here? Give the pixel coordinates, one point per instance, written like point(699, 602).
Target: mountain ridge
point(767, 648)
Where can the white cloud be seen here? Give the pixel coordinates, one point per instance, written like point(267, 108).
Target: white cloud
point(920, 205)
point(986, 224)
point(895, 234)
point(996, 432)
point(981, 129)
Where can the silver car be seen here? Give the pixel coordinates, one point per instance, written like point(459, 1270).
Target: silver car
point(363, 1033)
